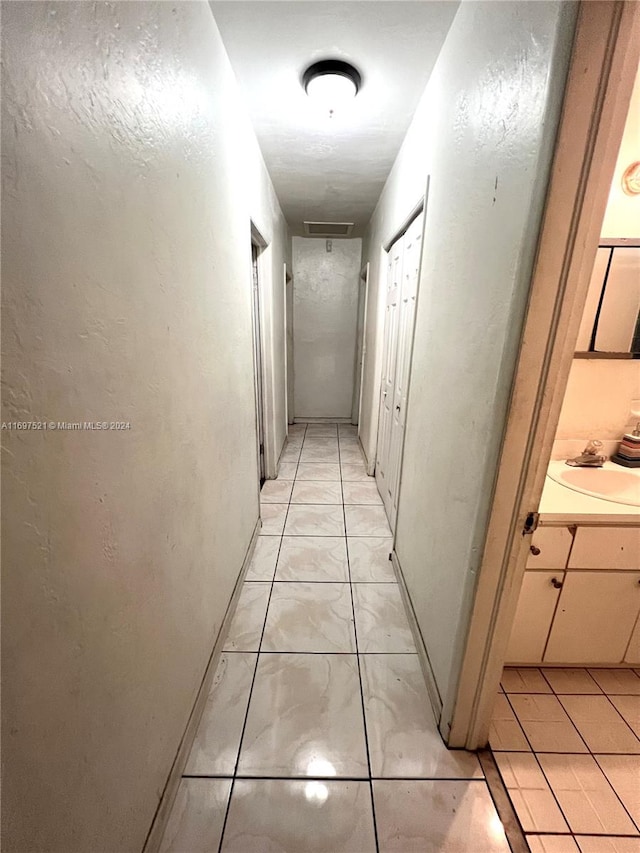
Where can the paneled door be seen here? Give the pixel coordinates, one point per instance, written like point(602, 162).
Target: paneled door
point(391, 317)
point(410, 274)
point(402, 290)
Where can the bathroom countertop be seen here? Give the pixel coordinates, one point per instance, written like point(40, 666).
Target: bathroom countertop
point(561, 505)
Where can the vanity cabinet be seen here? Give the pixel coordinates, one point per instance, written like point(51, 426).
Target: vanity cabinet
point(580, 598)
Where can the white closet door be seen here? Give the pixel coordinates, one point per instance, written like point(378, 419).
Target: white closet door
point(402, 289)
point(410, 275)
point(394, 281)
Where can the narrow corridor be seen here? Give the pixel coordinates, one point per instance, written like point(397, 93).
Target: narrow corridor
point(318, 733)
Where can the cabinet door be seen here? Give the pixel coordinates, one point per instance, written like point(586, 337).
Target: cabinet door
point(633, 652)
point(596, 614)
point(550, 548)
point(536, 606)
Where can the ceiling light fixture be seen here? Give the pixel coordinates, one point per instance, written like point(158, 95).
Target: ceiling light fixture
point(331, 83)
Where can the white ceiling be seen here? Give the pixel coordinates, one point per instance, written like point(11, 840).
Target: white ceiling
point(331, 169)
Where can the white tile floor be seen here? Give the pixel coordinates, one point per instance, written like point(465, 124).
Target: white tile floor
point(318, 734)
point(567, 745)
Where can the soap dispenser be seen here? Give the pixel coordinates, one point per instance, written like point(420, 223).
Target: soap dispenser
point(628, 453)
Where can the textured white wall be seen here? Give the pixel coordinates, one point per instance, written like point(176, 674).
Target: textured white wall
point(129, 180)
point(325, 306)
point(484, 134)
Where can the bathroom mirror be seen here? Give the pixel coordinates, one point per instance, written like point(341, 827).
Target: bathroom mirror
point(610, 325)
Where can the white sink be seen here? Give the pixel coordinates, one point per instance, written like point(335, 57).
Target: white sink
point(610, 483)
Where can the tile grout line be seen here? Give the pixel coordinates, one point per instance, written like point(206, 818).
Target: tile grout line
point(255, 670)
point(537, 760)
point(355, 636)
point(542, 752)
point(589, 752)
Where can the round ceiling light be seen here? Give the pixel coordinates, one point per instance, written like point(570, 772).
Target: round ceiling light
point(331, 83)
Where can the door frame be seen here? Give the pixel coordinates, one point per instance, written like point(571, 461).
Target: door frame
point(602, 71)
point(288, 415)
point(361, 344)
point(257, 328)
point(267, 353)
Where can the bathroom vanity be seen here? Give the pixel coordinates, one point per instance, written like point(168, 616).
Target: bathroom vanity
point(580, 600)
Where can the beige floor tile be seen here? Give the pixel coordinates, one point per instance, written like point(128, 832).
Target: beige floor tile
point(437, 817)
point(309, 617)
point(302, 816)
point(321, 429)
point(305, 718)
point(314, 520)
point(505, 731)
point(629, 707)
point(545, 723)
point(197, 817)
point(600, 725)
point(523, 680)
point(570, 680)
point(361, 493)
point(312, 558)
point(318, 471)
point(273, 517)
point(624, 681)
point(402, 734)
point(354, 472)
point(319, 454)
point(246, 626)
point(351, 454)
point(263, 562)
point(366, 521)
point(381, 620)
point(605, 844)
point(369, 559)
point(530, 793)
point(276, 491)
point(587, 800)
point(623, 772)
point(215, 748)
point(323, 492)
point(552, 844)
point(291, 454)
point(287, 470)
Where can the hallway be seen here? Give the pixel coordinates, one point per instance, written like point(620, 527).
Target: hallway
point(318, 733)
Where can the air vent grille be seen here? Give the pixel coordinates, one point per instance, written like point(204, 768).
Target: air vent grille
point(328, 229)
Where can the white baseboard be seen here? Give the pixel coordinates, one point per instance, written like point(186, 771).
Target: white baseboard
point(425, 664)
point(161, 817)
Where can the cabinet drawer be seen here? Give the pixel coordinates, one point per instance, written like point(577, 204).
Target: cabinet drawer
point(606, 548)
point(554, 544)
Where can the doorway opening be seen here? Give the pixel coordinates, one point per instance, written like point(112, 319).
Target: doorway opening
point(361, 346)
point(258, 358)
point(404, 258)
point(596, 104)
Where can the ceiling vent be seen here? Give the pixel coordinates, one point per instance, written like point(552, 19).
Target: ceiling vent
point(328, 229)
